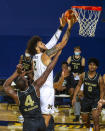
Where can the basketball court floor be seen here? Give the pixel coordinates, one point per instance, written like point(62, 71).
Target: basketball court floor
point(63, 119)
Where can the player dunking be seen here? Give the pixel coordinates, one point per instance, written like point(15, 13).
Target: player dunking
point(28, 97)
point(41, 58)
point(93, 91)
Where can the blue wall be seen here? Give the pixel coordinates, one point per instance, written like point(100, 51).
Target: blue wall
point(21, 19)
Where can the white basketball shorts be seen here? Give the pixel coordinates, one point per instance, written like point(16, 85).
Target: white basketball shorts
point(47, 98)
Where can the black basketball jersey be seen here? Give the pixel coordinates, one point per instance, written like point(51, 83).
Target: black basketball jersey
point(76, 64)
point(29, 103)
point(91, 86)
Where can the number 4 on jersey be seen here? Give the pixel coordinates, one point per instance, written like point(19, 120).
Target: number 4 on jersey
point(29, 101)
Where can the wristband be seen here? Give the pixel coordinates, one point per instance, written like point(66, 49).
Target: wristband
point(60, 28)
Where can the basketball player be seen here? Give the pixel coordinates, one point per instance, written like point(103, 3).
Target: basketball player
point(64, 80)
point(77, 64)
point(93, 92)
point(28, 97)
point(41, 58)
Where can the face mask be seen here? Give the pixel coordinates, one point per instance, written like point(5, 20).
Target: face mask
point(27, 54)
point(77, 53)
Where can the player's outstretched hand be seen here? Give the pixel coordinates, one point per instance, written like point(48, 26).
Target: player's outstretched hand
point(101, 102)
point(62, 21)
point(19, 68)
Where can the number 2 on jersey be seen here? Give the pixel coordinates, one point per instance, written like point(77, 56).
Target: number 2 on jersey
point(29, 101)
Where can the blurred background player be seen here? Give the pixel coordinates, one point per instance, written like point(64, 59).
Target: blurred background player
point(41, 58)
point(77, 65)
point(93, 92)
point(28, 96)
point(64, 81)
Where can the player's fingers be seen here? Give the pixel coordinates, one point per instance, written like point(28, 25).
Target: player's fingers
point(60, 20)
point(62, 14)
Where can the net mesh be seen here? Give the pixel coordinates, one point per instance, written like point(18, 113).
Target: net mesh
point(87, 20)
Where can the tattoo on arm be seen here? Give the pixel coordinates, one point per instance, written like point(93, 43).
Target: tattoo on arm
point(52, 51)
point(66, 35)
point(60, 46)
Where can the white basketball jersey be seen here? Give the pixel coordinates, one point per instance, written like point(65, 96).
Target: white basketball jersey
point(39, 68)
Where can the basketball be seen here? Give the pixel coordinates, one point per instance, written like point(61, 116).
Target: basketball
point(69, 14)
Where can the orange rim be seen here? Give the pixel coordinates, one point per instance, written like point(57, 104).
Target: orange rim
point(96, 8)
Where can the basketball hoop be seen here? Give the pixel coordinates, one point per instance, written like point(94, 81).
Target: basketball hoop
point(87, 17)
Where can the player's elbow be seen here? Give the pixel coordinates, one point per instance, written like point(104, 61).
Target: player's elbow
point(5, 88)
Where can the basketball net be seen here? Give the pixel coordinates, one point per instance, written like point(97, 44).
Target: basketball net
point(87, 20)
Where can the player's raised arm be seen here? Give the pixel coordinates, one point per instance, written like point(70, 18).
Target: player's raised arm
point(51, 52)
point(7, 86)
point(58, 85)
point(39, 82)
point(53, 41)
